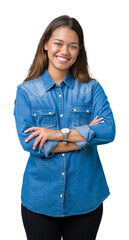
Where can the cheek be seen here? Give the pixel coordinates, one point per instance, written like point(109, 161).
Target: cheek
point(74, 57)
point(53, 50)
point(74, 54)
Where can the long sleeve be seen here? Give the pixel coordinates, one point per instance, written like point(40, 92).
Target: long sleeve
point(24, 120)
point(100, 133)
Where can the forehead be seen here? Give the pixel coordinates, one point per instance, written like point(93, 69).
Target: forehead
point(65, 34)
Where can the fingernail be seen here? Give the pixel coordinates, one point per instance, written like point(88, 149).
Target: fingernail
point(33, 148)
point(26, 140)
point(25, 131)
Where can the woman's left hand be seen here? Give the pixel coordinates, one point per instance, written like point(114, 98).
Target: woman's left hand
point(43, 135)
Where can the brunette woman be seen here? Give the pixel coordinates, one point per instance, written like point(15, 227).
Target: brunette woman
point(61, 115)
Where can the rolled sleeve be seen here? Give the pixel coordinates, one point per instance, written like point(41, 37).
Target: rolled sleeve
point(48, 148)
point(87, 133)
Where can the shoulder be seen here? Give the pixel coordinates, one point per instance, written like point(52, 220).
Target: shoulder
point(86, 87)
point(33, 87)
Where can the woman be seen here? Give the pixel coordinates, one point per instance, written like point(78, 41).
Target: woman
point(61, 115)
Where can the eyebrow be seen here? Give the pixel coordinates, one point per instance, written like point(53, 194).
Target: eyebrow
point(63, 41)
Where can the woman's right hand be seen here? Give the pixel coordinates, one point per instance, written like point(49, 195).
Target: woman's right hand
point(96, 121)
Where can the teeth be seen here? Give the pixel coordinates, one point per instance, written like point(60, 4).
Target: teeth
point(62, 59)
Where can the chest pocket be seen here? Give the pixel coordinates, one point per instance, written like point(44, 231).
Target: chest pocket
point(80, 114)
point(45, 117)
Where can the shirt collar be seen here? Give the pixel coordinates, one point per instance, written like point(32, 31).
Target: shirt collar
point(49, 83)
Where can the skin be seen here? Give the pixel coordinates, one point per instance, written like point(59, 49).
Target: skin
point(66, 46)
point(62, 54)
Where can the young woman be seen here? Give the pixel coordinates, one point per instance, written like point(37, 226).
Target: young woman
point(61, 115)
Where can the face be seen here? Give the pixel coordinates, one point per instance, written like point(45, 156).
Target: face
point(62, 49)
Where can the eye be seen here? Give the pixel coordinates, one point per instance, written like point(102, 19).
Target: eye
point(59, 44)
point(74, 47)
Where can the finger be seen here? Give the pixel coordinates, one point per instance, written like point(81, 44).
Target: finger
point(31, 129)
point(98, 122)
point(96, 119)
point(34, 134)
point(38, 139)
point(42, 142)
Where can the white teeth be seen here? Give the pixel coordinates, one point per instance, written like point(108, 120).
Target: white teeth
point(62, 59)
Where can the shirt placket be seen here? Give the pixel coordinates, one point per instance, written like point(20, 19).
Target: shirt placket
point(62, 155)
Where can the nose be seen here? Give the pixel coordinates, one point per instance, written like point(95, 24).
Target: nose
point(64, 50)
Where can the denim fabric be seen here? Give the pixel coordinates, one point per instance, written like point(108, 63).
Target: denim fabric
point(69, 183)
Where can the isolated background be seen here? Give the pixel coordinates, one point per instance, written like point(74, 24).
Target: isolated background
point(105, 25)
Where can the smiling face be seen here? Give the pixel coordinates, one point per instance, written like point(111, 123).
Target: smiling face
point(62, 49)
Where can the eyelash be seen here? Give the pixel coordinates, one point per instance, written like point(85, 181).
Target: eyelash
point(60, 44)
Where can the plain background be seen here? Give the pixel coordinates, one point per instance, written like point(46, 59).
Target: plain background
point(105, 26)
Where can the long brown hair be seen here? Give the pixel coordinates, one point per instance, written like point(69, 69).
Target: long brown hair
point(80, 69)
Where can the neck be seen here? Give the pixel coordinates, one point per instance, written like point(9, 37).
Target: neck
point(57, 75)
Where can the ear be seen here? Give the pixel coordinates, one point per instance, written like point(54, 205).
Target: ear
point(46, 46)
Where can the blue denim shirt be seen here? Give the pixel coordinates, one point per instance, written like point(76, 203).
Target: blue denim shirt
point(65, 183)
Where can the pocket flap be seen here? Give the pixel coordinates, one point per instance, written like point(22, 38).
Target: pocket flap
point(81, 108)
point(44, 111)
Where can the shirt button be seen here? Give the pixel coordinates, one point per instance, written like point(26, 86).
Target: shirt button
point(60, 95)
point(74, 109)
point(62, 173)
point(61, 195)
point(63, 154)
point(61, 115)
point(50, 113)
point(87, 110)
point(34, 114)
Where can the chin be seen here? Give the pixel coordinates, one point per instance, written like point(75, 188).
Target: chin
point(63, 69)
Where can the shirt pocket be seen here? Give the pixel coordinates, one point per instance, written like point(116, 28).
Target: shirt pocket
point(45, 117)
point(80, 114)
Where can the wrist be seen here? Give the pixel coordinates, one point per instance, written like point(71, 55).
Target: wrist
point(65, 132)
point(59, 135)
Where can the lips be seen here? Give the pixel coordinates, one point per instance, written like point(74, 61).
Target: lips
point(62, 59)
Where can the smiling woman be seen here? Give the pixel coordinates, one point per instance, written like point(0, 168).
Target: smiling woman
point(62, 52)
point(61, 115)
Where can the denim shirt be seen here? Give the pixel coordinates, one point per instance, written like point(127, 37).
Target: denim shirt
point(65, 183)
